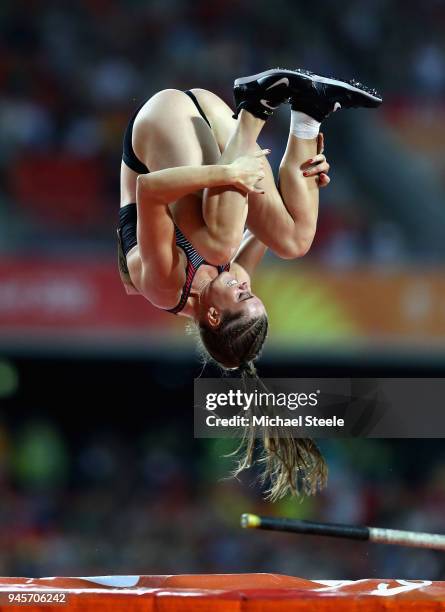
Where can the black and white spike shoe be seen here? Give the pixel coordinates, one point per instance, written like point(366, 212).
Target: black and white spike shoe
point(317, 96)
point(261, 93)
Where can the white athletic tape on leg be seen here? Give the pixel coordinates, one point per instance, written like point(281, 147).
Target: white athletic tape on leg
point(303, 126)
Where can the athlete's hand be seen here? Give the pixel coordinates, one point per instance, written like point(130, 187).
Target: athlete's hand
point(246, 171)
point(318, 165)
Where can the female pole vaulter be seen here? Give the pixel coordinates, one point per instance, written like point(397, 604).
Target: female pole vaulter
point(193, 176)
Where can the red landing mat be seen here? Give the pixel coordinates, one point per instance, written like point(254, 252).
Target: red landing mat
point(219, 593)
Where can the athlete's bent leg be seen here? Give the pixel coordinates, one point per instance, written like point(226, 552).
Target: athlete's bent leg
point(265, 211)
point(283, 226)
point(313, 98)
point(225, 209)
point(287, 223)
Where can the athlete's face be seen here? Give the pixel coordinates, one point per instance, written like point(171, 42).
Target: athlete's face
point(226, 294)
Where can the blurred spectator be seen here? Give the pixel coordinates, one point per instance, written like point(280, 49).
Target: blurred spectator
point(40, 458)
point(119, 508)
point(71, 77)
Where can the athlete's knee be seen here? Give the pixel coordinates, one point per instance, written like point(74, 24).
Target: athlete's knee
point(295, 247)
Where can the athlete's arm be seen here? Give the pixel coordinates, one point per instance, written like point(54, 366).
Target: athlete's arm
point(250, 253)
point(167, 186)
point(161, 265)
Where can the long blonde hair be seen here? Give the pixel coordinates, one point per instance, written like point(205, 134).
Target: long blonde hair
point(287, 464)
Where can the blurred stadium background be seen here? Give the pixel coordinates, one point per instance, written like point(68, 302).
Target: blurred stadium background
point(99, 472)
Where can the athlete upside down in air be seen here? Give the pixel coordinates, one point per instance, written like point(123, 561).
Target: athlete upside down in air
point(192, 177)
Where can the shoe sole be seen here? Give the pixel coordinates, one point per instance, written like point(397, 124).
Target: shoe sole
point(310, 77)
